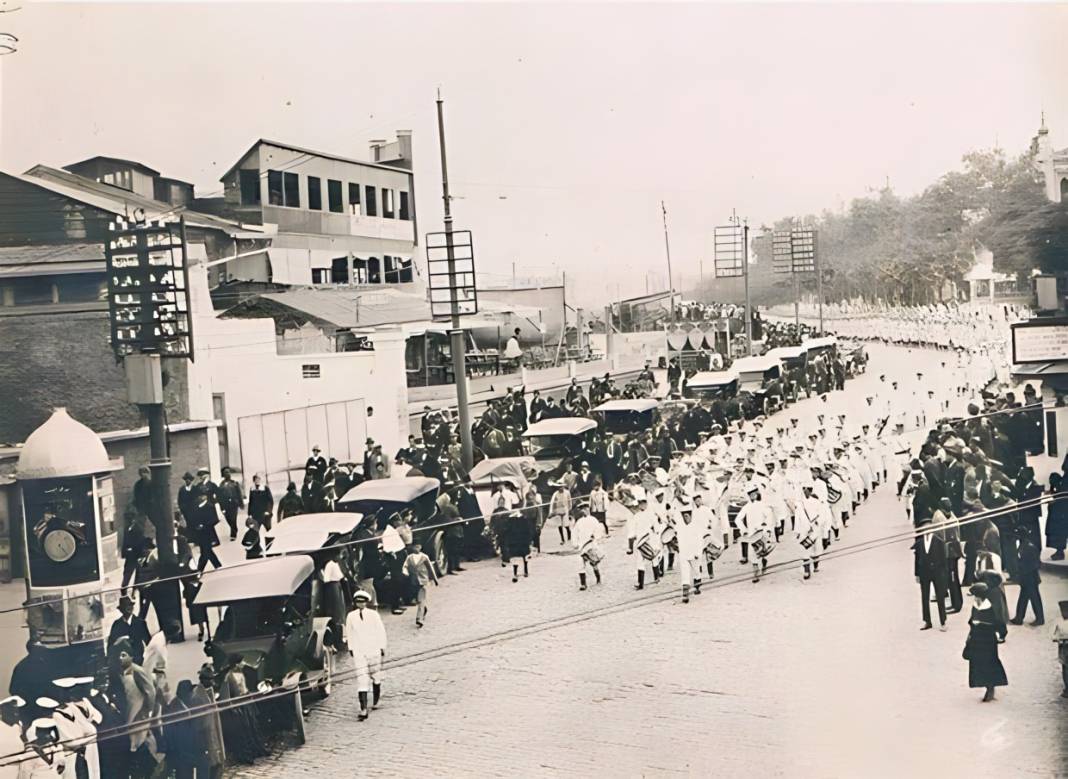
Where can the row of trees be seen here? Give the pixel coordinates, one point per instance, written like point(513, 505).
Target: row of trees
point(912, 250)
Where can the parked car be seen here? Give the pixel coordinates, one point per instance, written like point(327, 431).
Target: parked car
point(624, 416)
point(382, 498)
point(274, 619)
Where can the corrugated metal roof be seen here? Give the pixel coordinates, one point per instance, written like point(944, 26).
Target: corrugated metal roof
point(310, 152)
point(119, 201)
point(359, 307)
point(51, 253)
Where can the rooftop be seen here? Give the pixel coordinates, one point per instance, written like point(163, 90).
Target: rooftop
point(130, 163)
point(310, 152)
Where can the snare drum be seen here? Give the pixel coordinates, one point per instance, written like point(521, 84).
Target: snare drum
point(712, 547)
point(645, 547)
point(592, 554)
point(763, 543)
point(809, 538)
point(669, 539)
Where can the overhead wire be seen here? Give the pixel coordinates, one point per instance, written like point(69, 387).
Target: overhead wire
point(522, 631)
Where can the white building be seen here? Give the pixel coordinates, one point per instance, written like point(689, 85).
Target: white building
point(1052, 163)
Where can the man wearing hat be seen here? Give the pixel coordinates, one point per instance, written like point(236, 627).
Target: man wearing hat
point(366, 638)
point(75, 731)
point(932, 572)
point(130, 626)
point(231, 500)
point(45, 758)
point(1028, 578)
point(316, 464)
point(755, 522)
point(690, 537)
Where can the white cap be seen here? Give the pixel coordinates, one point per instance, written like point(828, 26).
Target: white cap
point(47, 703)
point(65, 683)
point(16, 700)
point(361, 595)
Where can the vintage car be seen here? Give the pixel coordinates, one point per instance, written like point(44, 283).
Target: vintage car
point(855, 356)
point(760, 381)
point(711, 385)
point(555, 442)
point(623, 416)
point(828, 345)
point(309, 533)
point(275, 621)
point(382, 498)
point(794, 361)
point(487, 475)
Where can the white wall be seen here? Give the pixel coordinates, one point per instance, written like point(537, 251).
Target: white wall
point(237, 358)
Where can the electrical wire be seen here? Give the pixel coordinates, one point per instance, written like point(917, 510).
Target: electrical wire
point(520, 631)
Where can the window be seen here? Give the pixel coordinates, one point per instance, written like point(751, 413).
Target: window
point(404, 213)
point(333, 192)
point(310, 371)
point(320, 275)
point(370, 207)
point(398, 270)
point(339, 271)
point(283, 189)
point(249, 180)
point(315, 193)
point(387, 203)
point(82, 288)
point(274, 188)
point(354, 199)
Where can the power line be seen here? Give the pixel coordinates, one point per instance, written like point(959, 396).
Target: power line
point(517, 632)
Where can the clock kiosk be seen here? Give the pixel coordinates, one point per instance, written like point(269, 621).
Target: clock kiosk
point(73, 569)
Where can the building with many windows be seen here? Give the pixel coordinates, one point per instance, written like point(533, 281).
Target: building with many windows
point(338, 220)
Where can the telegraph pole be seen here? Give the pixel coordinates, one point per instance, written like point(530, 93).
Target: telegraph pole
point(745, 275)
point(667, 251)
point(456, 334)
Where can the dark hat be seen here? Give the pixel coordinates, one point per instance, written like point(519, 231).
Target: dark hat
point(126, 600)
point(979, 590)
point(187, 476)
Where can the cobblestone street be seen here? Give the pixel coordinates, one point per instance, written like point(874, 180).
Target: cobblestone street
point(829, 677)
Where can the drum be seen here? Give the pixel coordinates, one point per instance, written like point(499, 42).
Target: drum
point(712, 547)
point(592, 553)
point(645, 547)
point(809, 538)
point(763, 543)
point(670, 539)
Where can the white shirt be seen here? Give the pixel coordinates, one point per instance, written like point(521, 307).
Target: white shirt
point(332, 572)
point(512, 349)
point(365, 633)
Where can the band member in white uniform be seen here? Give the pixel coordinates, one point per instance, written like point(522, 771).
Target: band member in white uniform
point(640, 536)
point(755, 521)
point(587, 539)
point(714, 536)
point(817, 512)
point(690, 537)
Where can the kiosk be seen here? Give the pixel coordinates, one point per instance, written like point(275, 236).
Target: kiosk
point(73, 570)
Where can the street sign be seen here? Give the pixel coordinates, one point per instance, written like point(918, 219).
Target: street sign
point(450, 259)
point(729, 251)
point(782, 252)
point(148, 290)
point(803, 250)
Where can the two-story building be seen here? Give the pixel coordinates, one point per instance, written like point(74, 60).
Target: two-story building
point(337, 220)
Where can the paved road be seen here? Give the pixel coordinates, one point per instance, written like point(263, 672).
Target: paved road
point(826, 678)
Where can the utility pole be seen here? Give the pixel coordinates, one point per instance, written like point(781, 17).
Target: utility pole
point(745, 275)
point(667, 251)
point(797, 299)
point(456, 334)
point(819, 289)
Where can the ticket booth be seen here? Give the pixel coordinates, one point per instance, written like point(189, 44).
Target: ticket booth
point(70, 542)
point(1040, 355)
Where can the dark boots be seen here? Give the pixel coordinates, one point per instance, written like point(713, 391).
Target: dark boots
point(363, 705)
point(582, 580)
point(641, 580)
point(376, 695)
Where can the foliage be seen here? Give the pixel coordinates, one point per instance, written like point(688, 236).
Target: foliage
point(905, 250)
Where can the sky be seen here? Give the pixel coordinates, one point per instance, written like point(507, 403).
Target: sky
point(567, 124)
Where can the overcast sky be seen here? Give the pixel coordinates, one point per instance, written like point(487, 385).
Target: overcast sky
point(566, 124)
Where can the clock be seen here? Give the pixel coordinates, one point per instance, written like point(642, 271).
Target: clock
point(60, 545)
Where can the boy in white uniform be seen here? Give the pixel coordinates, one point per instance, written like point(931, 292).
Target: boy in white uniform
point(366, 637)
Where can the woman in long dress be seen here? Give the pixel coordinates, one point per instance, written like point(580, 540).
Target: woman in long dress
point(981, 650)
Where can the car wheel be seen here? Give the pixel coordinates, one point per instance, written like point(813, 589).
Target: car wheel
point(441, 560)
point(326, 685)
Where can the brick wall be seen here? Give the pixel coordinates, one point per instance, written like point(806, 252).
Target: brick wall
point(52, 360)
point(189, 451)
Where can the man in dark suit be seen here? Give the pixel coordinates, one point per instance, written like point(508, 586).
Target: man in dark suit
point(316, 464)
point(932, 571)
point(130, 626)
point(1028, 578)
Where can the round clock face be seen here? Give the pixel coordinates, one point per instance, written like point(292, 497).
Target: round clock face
point(60, 545)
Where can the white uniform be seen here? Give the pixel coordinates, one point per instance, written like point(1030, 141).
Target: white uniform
point(588, 531)
point(642, 524)
point(366, 637)
point(691, 550)
point(755, 520)
point(10, 744)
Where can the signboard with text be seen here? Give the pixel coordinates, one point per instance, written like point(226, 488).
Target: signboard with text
point(729, 251)
point(1040, 340)
point(148, 290)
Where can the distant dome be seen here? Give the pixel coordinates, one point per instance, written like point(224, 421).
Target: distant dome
point(60, 447)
